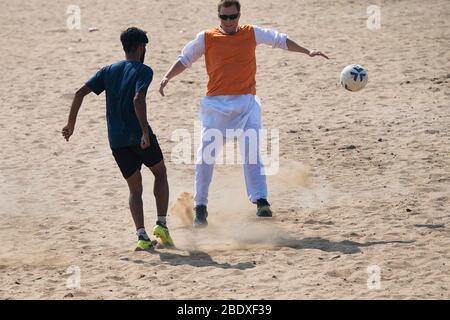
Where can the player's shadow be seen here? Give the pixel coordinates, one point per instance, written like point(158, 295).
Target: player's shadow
point(200, 259)
point(345, 246)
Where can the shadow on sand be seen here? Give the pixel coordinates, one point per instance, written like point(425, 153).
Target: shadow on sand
point(345, 246)
point(200, 259)
point(203, 259)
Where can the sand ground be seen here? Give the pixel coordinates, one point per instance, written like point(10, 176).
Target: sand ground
point(364, 177)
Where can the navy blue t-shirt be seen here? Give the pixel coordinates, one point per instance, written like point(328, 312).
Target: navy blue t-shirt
point(122, 80)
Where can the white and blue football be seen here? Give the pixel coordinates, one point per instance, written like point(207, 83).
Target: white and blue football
point(354, 77)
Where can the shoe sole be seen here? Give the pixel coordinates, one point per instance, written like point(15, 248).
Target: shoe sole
point(152, 247)
point(200, 226)
point(264, 216)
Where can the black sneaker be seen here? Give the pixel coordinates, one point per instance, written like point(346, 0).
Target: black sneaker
point(200, 217)
point(263, 208)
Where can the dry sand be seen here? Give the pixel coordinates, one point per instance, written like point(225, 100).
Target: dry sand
point(364, 177)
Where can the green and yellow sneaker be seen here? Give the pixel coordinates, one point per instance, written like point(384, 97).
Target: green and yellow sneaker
point(162, 232)
point(145, 245)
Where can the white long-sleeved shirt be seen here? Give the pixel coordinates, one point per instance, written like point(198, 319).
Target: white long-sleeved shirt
point(196, 48)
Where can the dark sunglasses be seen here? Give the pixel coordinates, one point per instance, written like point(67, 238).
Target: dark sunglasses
point(228, 17)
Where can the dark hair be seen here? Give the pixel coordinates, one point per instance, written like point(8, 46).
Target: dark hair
point(132, 38)
point(229, 3)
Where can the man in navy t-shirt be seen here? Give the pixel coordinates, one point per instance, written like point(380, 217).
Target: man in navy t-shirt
point(130, 137)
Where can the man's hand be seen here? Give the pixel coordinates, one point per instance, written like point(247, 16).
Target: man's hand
point(67, 131)
point(174, 70)
point(314, 53)
point(162, 84)
point(145, 141)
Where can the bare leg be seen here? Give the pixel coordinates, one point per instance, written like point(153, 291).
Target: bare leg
point(161, 188)
point(135, 199)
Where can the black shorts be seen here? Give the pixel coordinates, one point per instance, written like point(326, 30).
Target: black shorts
point(129, 159)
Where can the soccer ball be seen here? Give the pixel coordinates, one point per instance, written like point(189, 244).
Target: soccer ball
point(354, 77)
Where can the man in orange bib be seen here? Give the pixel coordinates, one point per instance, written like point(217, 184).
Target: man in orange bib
point(230, 102)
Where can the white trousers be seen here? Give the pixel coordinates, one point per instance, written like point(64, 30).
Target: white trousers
point(220, 114)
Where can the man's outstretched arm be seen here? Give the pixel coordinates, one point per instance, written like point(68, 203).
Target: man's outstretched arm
point(175, 70)
point(190, 53)
point(293, 46)
point(280, 40)
point(67, 131)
